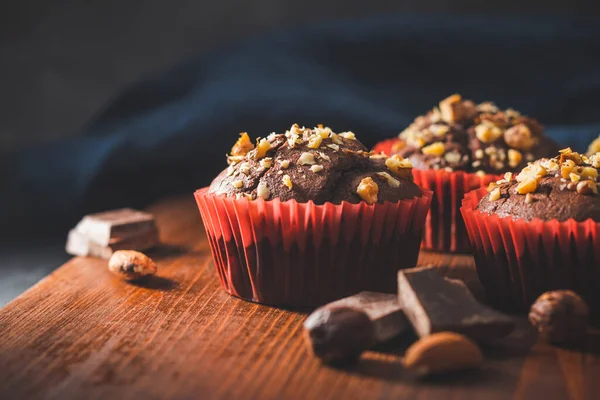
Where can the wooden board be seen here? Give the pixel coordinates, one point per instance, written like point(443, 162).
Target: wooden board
point(83, 333)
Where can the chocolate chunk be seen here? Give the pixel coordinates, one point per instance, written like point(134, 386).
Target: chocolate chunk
point(433, 303)
point(100, 235)
point(343, 329)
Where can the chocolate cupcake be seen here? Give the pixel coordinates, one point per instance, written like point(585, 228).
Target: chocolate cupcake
point(309, 216)
point(538, 230)
point(460, 146)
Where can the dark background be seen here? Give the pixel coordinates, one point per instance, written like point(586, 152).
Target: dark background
point(63, 60)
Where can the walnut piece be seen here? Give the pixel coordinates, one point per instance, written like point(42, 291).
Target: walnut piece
point(560, 316)
point(436, 149)
point(399, 167)
point(243, 145)
point(131, 265)
point(520, 137)
point(368, 190)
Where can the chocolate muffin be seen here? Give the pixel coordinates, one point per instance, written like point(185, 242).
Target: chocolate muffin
point(310, 216)
point(314, 165)
point(559, 188)
point(538, 230)
point(463, 136)
point(461, 146)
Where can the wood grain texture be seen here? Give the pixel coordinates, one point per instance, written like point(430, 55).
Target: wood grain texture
point(83, 333)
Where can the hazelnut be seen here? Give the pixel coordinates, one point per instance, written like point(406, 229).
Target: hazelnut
point(306, 159)
point(520, 137)
point(338, 334)
point(131, 265)
point(560, 316)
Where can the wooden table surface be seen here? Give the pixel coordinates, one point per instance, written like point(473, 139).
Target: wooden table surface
point(83, 333)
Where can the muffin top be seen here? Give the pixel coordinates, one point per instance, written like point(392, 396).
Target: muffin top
point(462, 136)
point(559, 188)
point(313, 164)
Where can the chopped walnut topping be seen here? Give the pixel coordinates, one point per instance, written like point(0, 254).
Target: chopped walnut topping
point(323, 132)
point(514, 158)
point(480, 173)
point(479, 154)
point(316, 168)
point(243, 145)
point(435, 149)
point(492, 186)
point(324, 156)
point(287, 181)
point(439, 130)
point(262, 148)
point(453, 157)
point(335, 138)
point(378, 156)
point(495, 194)
point(587, 187)
point(266, 162)
point(393, 182)
point(520, 137)
point(262, 191)
point(449, 108)
point(314, 142)
point(284, 164)
point(348, 135)
point(237, 184)
point(230, 170)
point(333, 147)
point(245, 168)
point(400, 167)
point(527, 186)
point(487, 132)
point(306, 159)
point(368, 190)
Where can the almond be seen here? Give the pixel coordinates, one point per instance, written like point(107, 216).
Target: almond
point(442, 352)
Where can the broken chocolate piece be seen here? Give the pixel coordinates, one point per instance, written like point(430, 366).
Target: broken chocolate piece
point(100, 235)
point(343, 329)
point(433, 303)
point(115, 225)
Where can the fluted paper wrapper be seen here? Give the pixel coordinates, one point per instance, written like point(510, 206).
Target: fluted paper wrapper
point(519, 260)
point(305, 255)
point(445, 230)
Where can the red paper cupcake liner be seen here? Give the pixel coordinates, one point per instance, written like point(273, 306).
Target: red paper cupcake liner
point(445, 230)
point(305, 255)
point(518, 260)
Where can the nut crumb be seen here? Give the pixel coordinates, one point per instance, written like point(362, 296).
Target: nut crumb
point(316, 168)
point(306, 159)
point(287, 181)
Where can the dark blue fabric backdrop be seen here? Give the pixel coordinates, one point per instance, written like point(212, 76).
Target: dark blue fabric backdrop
point(170, 133)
